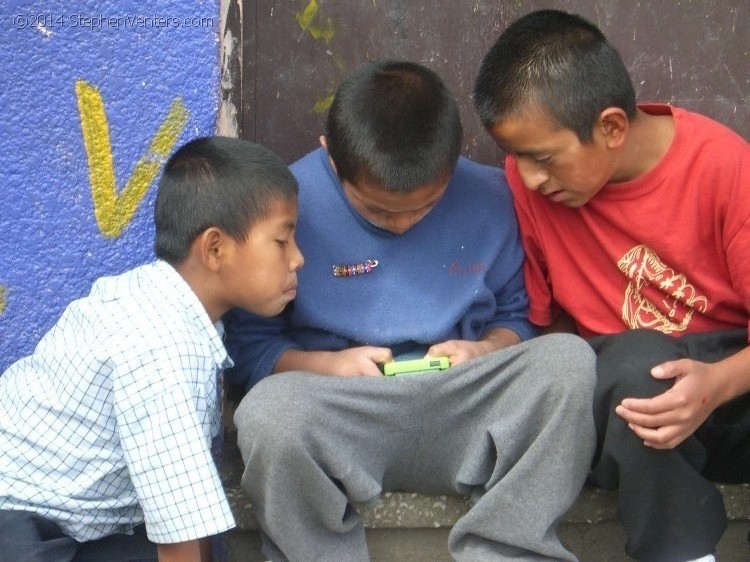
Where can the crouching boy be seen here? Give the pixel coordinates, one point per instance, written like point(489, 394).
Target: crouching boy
point(105, 429)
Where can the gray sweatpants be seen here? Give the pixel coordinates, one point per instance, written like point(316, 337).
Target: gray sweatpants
point(513, 430)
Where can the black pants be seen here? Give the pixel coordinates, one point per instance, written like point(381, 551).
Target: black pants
point(668, 504)
point(27, 537)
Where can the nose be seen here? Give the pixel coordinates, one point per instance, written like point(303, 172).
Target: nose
point(297, 260)
point(401, 223)
point(533, 174)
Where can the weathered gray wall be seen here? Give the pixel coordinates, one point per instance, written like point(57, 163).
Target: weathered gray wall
point(693, 53)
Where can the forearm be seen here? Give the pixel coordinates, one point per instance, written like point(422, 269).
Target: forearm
point(205, 549)
point(354, 361)
point(309, 361)
point(189, 551)
point(498, 338)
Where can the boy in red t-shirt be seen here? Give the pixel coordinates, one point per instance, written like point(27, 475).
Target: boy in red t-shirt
point(635, 220)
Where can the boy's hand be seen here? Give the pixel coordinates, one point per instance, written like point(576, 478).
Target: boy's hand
point(460, 351)
point(360, 361)
point(665, 421)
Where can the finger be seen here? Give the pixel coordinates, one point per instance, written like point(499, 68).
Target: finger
point(371, 368)
point(670, 369)
point(443, 349)
point(458, 359)
point(666, 437)
point(664, 402)
point(645, 420)
point(380, 355)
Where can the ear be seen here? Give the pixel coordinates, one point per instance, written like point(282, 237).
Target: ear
point(212, 246)
point(613, 124)
point(324, 143)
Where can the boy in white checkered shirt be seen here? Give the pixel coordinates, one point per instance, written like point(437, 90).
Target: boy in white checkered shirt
point(105, 430)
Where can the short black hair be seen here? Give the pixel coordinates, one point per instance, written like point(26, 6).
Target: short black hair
point(559, 61)
point(221, 182)
point(394, 123)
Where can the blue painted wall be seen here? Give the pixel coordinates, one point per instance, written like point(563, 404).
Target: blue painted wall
point(154, 68)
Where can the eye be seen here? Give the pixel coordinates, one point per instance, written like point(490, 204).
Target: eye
point(543, 159)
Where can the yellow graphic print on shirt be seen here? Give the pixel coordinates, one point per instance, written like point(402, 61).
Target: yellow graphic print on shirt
point(657, 297)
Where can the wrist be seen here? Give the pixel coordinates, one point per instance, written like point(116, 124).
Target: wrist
point(732, 375)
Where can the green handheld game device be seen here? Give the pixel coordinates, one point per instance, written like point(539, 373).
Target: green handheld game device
point(416, 366)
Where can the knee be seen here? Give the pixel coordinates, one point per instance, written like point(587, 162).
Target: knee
point(561, 371)
point(624, 362)
point(275, 410)
point(568, 362)
point(635, 349)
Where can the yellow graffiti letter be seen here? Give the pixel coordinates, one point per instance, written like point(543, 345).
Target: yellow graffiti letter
point(112, 211)
point(324, 104)
point(305, 20)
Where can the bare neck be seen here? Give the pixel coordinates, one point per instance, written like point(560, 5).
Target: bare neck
point(201, 282)
point(649, 138)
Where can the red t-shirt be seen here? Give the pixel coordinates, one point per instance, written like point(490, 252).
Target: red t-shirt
point(669, 251)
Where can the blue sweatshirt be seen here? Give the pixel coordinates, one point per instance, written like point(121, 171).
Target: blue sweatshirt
point(454, 275)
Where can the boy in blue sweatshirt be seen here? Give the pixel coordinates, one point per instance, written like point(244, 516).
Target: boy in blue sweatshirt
point(410, 250)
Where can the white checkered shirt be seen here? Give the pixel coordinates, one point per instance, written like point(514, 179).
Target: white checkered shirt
point(109, 423)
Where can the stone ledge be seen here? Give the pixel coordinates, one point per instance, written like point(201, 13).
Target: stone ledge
point(416, 511)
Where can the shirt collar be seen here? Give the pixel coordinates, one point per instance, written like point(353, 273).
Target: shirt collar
point(183, 297)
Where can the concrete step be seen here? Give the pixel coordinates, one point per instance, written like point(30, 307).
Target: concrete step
point(414, 527)
point(591, 543)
